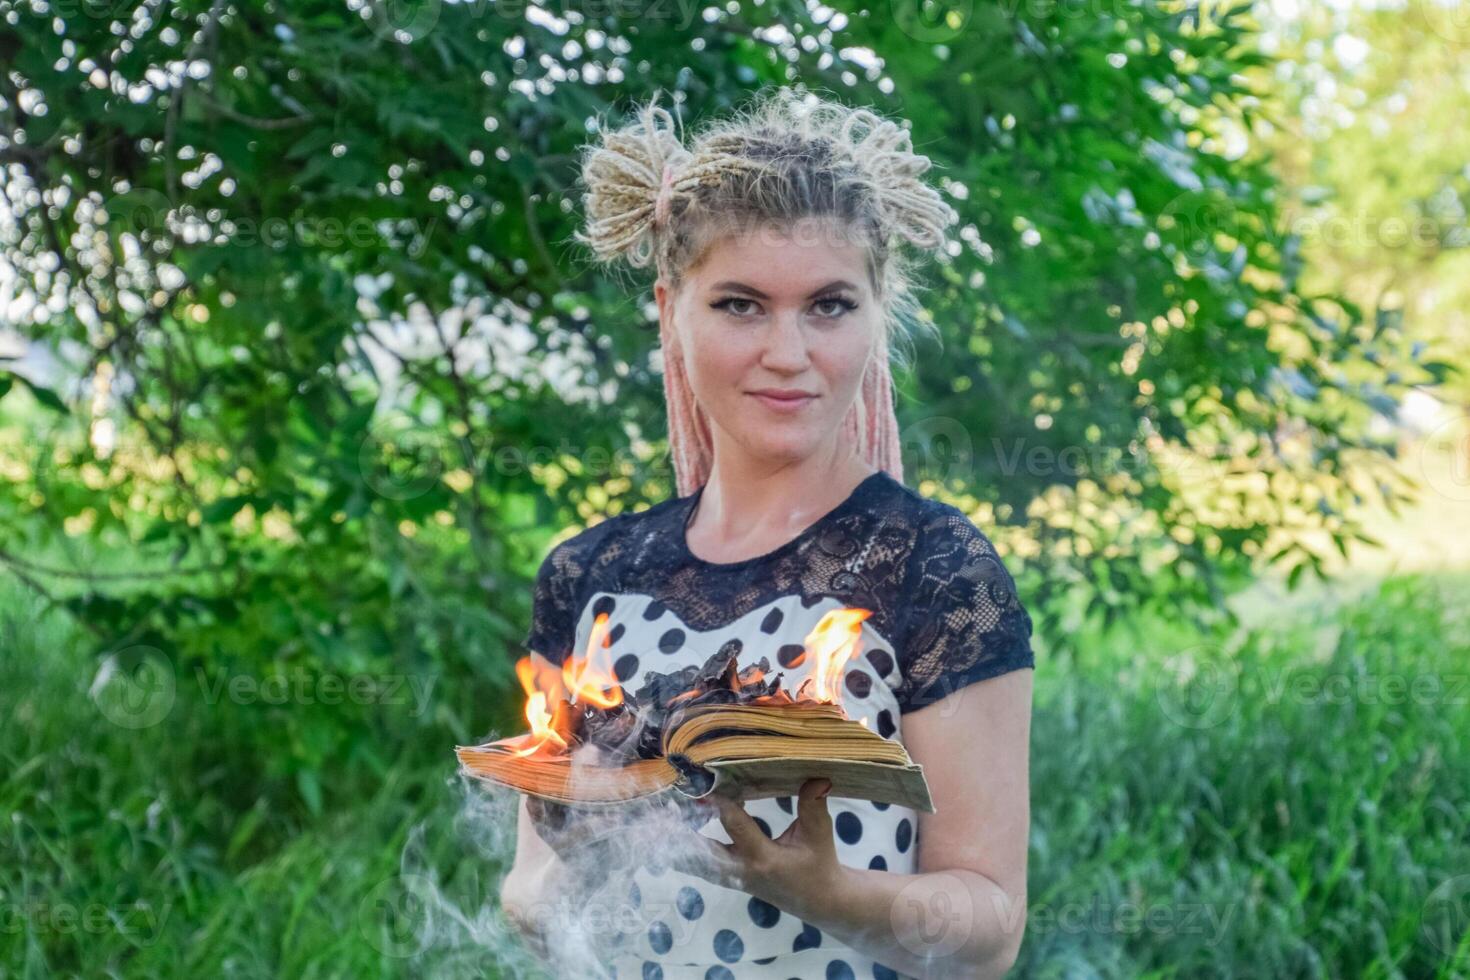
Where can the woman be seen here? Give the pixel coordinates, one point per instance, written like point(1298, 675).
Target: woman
point(778, 237)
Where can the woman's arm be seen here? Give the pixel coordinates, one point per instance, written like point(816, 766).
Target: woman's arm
point(532, 876)
point(964, 913)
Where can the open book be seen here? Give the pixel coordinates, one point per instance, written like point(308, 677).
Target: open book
point(744, 751)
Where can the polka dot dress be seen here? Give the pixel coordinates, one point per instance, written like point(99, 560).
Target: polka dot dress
point(879, 550)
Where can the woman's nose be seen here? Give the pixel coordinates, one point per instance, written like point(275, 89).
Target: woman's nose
point(786, 342)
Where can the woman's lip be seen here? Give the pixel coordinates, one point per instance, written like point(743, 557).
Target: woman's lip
point(783, 404)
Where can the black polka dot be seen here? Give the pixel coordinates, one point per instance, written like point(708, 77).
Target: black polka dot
point(885, 723)
point(731, 648)
point(729, 946)
point(810, 938)
point(690, 903)
point(718, 973)
point(784, 802)
point(791, 655)
point(839, 970)
point(604, 604)
point(763, 913)
point(881, 806)
point(881, 972)
point(807, 601)
point(905, 835)
point(652, 971)
point(660, 937)
point(879, 863)
point(671, 641)
point(765, 827)
point(772, 622)
point(625, 667)
point(881, 660)
point(764, 960)
point(616, 634)
point(858, 683)
point(654, 610)
point(849, 827)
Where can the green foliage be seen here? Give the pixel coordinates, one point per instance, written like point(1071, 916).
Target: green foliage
point(313, 266)
point(1382, 192)
point(1308, 820)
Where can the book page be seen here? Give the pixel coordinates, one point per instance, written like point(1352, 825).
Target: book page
point(751, 779)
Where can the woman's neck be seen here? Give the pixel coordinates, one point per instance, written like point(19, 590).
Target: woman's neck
point(749, 510)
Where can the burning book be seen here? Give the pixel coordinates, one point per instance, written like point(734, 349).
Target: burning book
point(705, 729)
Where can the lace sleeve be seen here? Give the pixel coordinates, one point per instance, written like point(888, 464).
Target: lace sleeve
point(553, 609)
point(964, 622)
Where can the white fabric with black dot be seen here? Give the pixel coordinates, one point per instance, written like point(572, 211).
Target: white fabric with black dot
point(944, 613)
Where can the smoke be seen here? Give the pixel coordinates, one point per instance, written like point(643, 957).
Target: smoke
point(451, 923)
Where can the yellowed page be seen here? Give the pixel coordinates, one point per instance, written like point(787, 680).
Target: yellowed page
point(752, 779)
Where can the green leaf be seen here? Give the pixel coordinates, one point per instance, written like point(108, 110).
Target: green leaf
point(45, 396)
point(310, 786)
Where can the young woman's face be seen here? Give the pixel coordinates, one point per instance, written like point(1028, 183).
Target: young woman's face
point(772, 313)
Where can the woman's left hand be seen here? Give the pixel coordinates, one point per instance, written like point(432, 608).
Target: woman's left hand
point(795, 871)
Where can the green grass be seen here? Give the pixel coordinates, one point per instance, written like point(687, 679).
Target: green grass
point(1287, 812)
point(1250, 823)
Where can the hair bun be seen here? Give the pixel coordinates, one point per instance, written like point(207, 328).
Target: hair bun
point(623, 174)
point(911, 208)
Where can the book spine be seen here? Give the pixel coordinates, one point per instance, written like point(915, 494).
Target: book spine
point(691, 778)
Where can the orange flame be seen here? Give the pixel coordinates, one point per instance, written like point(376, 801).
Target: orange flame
point(543, 686)
point(834, 641)
point(592, 679)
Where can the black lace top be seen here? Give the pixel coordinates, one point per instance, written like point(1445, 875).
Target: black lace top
point(936, 587)
point(943, 614)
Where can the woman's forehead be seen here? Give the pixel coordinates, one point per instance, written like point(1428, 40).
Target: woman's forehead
point(783, 259)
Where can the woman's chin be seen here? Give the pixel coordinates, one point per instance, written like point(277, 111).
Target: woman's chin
point(785, 450)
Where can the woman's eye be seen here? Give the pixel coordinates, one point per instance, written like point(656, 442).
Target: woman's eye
point(834, 306)
point(736, 306)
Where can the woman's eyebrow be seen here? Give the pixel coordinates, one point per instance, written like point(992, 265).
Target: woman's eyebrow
point(730, 285)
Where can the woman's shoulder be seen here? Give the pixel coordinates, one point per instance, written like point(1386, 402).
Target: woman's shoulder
point(965, 620)
point(937, 526)
point(605, 540)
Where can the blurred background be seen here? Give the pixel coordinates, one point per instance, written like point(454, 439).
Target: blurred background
point(301, 374)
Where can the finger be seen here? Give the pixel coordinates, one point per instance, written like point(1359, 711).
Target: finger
point(706, 858)
point(745, 833)
point(812, 814)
